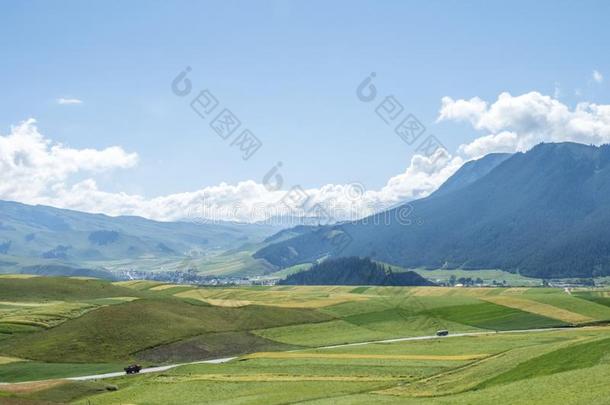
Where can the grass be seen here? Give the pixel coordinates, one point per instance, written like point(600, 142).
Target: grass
point(486, 315)
point(326, 355)
point(58, 289)
point(511, 279)
point(365, 374)
point(565, 359)
point(209, 346)
point(95, 326)
point(32, 370)
point(115, 333)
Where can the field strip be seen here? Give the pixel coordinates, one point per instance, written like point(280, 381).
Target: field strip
point(29, 303)
point(274, 378)
point(167, 287)
point(7, 360)
point(29, 387)
point(539, 308)
point(293, 355)
point(228, 303)
point(286, 301)
point(18, 276)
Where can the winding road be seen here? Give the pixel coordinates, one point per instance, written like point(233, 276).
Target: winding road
point(227, 359)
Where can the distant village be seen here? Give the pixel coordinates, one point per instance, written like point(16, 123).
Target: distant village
point(191, 277)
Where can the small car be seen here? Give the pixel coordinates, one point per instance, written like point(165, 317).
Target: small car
point(443, 332)
point(133, 369)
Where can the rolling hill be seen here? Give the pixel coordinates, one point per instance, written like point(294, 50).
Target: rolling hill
point(47, 237)
point(543, 213)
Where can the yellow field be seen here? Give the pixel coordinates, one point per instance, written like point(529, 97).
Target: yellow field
point(7, 360)
point(50, 313)
point(349, 356)
point(274, 378)
point(287, 298)
point(538, 308)
point(138, 284)
point(28, 304)
point(18, 276)
point(23, 388)
point(476, 292)
point(164, 287)
point(228, 303)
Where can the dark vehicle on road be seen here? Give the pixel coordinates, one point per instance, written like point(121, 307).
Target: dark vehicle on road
point(133, 369)
point(443, 332)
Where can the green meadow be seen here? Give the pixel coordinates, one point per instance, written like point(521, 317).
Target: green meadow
point(55, 328)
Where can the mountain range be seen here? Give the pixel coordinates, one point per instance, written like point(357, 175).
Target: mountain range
point(48, 237)
point(543, 213)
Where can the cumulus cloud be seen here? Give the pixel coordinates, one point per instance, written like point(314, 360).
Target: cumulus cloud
point(597, 77)
point(36, 170)
point(32, 166)
point(68, 101)
point(517, 123)
point(250, 201)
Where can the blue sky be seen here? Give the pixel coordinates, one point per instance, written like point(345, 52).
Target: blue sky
point(289, 71)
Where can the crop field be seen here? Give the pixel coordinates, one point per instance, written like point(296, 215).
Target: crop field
point(296, 344)
point(546, 367)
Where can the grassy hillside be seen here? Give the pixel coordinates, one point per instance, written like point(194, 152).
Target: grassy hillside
point(25, 288)
point(503, 368)
point(50, 241)
point(93, 326)
point(114, 333)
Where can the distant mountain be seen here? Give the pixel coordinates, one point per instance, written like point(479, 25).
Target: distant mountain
point(58, 235)
point(354, 271)
point(544, 213)
point(471, 172)
point(290, 233)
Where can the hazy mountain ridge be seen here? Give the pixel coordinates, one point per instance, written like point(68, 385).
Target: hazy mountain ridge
point(543, 213)
point(51, 233)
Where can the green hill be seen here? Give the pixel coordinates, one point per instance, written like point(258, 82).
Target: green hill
point(354, 271)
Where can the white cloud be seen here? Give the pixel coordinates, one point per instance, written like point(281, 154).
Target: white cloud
point(517, 123)
point(63, 101)
point(557, 90)
point(35, 170)
point(250, 201)
point(597, 77)
point(31, 166)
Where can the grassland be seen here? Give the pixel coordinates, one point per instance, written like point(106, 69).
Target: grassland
point(504, 368)
point(488, 276)
point(68, 327)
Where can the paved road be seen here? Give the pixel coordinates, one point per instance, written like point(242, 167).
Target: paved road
point(404, 339)
point(148, 370)
point(226, 359)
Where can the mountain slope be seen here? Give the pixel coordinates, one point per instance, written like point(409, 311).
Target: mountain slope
point(544, 213)
point(56, 234)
